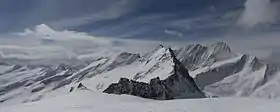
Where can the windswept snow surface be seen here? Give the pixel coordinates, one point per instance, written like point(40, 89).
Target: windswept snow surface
point(91, 101)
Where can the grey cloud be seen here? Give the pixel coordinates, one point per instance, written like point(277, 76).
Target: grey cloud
point(19, 13)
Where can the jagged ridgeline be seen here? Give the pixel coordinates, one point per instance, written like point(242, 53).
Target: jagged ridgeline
point(215, 69)
point(178, 85)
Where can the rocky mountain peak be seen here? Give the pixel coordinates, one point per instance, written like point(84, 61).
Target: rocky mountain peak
point(221, 46)
point(178, 85)
point(270, 72)
point(122, 59)
point(256, 64)
point(159, 47)
point(79, 87)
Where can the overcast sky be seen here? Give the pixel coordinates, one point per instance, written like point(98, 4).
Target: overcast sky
point(18, 14)
point(252, 21)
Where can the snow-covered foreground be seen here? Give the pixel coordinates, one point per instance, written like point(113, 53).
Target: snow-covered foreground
point(91, 101)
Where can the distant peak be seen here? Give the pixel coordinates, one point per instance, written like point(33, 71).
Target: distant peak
point(256, 59)
point(79, 87)
point(221, 46)
point(42, 26)
point(157, 48)
point(196, 47)
point(256, 64)
point(160, 46)
point(45, 29)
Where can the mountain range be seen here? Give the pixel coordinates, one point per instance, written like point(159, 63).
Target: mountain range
point(215, 69)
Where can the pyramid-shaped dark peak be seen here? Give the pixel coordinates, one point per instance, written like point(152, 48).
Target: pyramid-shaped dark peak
point(178, 85)
point(181, 71)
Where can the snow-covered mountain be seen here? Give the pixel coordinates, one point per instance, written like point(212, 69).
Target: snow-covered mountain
point(178, 85)
point(215, 69)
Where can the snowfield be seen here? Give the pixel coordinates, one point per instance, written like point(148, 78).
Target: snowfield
point(92, 101)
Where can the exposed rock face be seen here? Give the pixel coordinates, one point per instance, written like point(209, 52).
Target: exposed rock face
point(122, 59)
point(256, 64)
point(106, 64)
point(217, 74)
point(178, 85)
point(79, 87)
point(195, 56)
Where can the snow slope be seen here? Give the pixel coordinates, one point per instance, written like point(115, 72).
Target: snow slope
point(89, 101)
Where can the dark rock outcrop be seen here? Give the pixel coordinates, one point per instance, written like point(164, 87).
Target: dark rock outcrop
point(37, 89)
point(178, 85)
point(79, 87)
